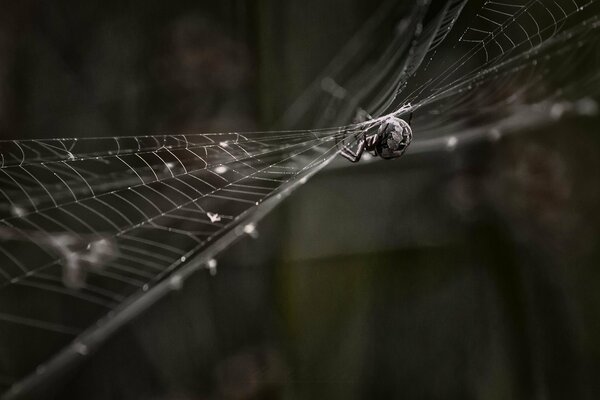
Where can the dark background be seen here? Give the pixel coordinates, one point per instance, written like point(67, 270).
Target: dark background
point(470, 274)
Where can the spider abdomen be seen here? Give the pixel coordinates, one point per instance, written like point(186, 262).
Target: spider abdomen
point(395, 136)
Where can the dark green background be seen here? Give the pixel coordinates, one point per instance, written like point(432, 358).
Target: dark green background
point(464, 275)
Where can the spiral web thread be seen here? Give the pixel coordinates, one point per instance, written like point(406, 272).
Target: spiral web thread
point(89, 223)
point(476, 69)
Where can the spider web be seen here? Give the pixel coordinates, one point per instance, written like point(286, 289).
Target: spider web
point(470, 70)
point(516, 64)
point(95, 230)
point(94, 224)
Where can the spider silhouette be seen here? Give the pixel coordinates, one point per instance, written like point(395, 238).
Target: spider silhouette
point(389, 141)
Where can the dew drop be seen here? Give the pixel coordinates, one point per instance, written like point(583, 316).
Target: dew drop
point(558, 110)
point(587, 107)
point(495, 135)
point(419, 29)
point(211, 265)
point(339, 92)
point(327, 84)
point(17, 211)
point(250, 230)
point(81, 348)
point(221, 169)
point(176, 282)
point(451, 142)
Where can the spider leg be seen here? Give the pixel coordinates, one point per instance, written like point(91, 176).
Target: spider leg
point(339, 140)
point(352, 156)
point(410, 118)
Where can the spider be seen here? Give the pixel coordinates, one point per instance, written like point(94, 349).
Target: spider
point(389, 141)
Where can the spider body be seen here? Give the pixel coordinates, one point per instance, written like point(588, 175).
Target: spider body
point(390, 141)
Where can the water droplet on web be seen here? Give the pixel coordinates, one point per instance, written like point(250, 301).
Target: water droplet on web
point(303, 180)
point(17, 211)
point(176, 282)
point(558, 110)
point(170, 165)
point(80, 348)
point(419, 29)
point(451, 142)
point(211, 265)
point(495, 135)
point(250, 229)
point(182, 259)
point(214, 217)
point(223, 144)
point(328, 84)
point(340, 93)
point(221, 169)
point(587, 107)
